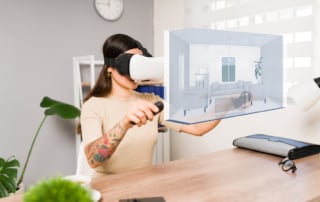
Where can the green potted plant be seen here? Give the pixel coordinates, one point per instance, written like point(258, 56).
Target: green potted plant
point(9, 168)
point(57, 189)
point(258, 69)
point(8, 175)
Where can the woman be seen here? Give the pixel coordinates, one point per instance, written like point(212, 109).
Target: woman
point(119, 125)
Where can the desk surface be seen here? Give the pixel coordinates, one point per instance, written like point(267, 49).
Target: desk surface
point(230, 175)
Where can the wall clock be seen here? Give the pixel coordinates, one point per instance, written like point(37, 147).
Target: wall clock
point(109, 9)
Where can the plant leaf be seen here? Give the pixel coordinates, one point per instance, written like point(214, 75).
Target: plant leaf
point(57, 189)
point(61, 109)
point(13, 163)
point(9, 183)
point(47, 102)
point(64, 111)
point(11, 172)
point(3, 191)
point(2, 161)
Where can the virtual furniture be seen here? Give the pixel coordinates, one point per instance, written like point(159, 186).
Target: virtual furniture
point(196, 98)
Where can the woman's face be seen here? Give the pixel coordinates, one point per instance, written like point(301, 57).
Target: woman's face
point(124, 81)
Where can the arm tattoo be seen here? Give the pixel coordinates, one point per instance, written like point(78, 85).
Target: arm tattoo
point(101, 149)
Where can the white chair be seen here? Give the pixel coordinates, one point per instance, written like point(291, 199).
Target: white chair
point(83, 167)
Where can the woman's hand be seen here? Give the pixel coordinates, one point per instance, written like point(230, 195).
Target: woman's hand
point(140, 113)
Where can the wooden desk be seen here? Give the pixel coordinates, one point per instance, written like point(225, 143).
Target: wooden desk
point(230, 175)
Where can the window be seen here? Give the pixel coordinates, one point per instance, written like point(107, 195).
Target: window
point(228, 69)
point(295, 20)
point(181, 70)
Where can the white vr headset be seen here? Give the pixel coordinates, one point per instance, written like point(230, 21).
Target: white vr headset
point(143, 68)
point(138, 67)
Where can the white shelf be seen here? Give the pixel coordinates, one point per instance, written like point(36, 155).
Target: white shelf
point(79, 85)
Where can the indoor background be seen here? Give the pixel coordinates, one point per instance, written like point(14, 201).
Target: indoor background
point(39, 38)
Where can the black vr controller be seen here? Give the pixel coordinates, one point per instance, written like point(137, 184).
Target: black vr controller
point(160, 106)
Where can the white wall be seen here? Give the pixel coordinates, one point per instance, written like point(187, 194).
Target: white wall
point(288, 122)
point(168, 14)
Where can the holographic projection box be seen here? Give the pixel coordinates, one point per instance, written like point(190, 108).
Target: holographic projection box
point(214, 74)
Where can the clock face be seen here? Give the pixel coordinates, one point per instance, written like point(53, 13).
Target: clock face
point(109, 9)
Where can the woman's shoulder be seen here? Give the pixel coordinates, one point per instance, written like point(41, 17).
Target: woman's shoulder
point(94, 102)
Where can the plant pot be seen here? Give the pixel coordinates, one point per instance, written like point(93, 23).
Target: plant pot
point(20, 189)
point(18, 196)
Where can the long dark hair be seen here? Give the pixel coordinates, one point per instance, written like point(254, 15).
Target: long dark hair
point(112, 47)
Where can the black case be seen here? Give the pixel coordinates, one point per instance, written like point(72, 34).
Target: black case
point(278, 146)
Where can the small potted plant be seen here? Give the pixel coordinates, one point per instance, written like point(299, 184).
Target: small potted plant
point(9, 168)
point(258, 69)
point(8, 175)
point(58, 189)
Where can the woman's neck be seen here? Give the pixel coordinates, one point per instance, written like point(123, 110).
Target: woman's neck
point(121, 93)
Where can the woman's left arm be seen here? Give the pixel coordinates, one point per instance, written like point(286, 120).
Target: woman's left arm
point(199, 129)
